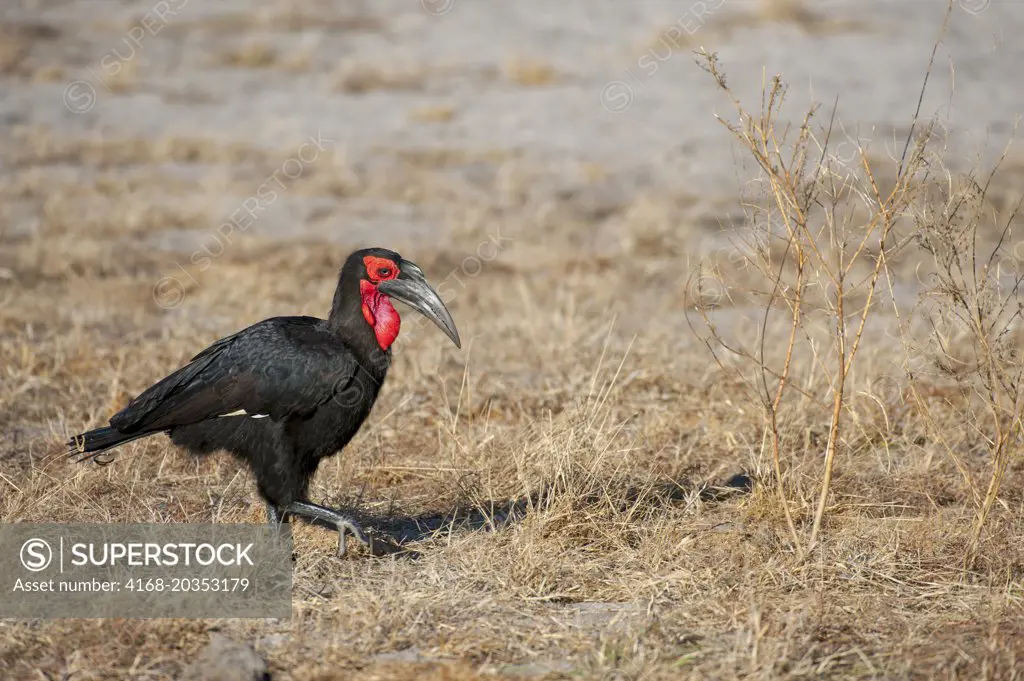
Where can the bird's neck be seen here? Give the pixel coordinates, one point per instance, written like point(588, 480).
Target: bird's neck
point(365, 320)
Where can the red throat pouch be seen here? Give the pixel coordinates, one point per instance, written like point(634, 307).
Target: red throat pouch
point(380, 314)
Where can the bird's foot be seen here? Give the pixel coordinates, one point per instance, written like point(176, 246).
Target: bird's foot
point(377, 545)
point(346, 525)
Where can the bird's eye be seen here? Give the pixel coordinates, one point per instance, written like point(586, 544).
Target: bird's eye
point(383, 272)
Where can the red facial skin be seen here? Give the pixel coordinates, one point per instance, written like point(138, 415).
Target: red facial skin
point(377, 308)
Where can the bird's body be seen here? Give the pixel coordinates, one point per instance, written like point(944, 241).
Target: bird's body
point(287, 392)
point(330, 401)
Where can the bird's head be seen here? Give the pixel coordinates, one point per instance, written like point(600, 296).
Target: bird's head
point(384, 275)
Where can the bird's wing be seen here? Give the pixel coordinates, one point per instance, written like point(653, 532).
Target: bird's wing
point(281, 368)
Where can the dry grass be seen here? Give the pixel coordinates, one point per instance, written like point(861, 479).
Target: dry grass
point(555, 466)
point(569, 478)
point(528, 72)
point(357, 77)
point(555, 469)
point(257, 55)
point(434, 114)
point(23, 49)
point(294, 18)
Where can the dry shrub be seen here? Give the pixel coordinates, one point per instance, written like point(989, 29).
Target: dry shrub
point(820, 259)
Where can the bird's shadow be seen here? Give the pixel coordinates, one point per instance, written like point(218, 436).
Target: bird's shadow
point(495, 515)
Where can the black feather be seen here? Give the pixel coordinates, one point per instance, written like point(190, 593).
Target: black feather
point(91, 444)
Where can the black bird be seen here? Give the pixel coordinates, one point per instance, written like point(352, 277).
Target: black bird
point(289, 391)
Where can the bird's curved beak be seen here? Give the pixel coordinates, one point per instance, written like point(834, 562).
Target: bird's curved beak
point(411, 288)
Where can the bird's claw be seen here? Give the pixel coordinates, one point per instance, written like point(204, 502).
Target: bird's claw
point(344, 528)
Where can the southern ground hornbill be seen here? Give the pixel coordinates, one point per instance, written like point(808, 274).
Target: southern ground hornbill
point(288, 391)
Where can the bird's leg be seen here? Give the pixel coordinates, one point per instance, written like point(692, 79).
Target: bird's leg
point(274, 515)
point(342, 522)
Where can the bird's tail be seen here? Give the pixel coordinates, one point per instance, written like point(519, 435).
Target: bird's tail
point(88, 446)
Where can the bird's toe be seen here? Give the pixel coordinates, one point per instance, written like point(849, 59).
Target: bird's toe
point(345, 527)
